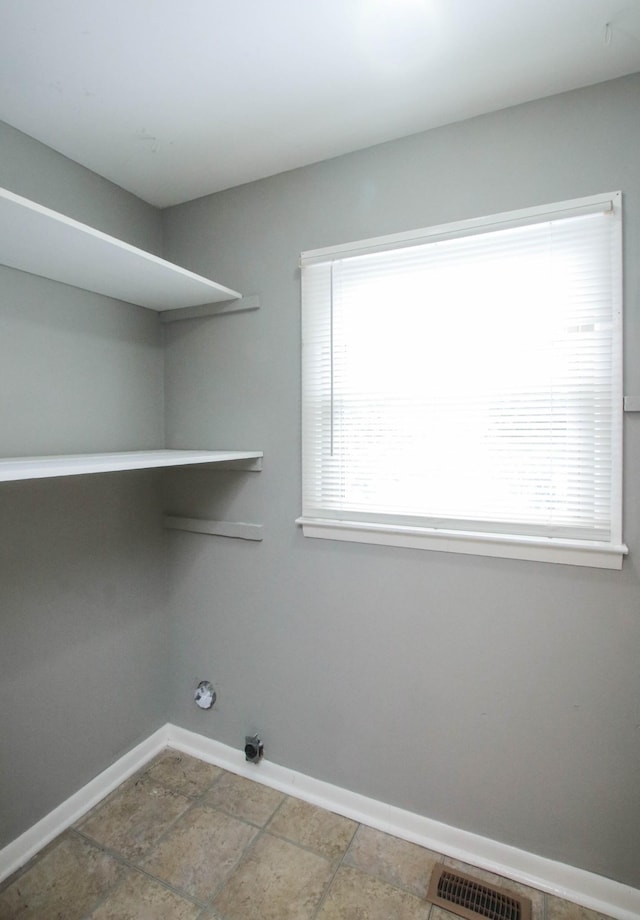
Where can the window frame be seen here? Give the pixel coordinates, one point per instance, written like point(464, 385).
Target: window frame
point(503, 544)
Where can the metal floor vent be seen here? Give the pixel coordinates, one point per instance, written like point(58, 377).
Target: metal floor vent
point(467, 897)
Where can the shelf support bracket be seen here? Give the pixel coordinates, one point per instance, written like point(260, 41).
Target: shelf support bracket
point(236, 529)
point(240, 305)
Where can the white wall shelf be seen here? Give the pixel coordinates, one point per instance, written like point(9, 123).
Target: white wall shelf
point(48, 244)
point(82, 464)
point(43, 242)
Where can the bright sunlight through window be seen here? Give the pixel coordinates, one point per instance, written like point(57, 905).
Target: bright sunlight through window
point(462, 387)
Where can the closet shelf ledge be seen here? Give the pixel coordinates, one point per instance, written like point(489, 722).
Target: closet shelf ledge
point(48, 467)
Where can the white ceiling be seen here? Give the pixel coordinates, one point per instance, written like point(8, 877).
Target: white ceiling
point(173, 99)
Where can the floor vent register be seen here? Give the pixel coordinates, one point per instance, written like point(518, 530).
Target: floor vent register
point(469, 898)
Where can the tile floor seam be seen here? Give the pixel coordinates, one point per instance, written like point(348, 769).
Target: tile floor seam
point(120, 856)
point(397, 885)
point(348, 850)
point(105, 895)
point(279, 807)
point(167, 830)
point(181, 892)
point(217, 780)
point(386, 882)
point(230, 814)
point(302, 846)
point(113, 854)
point(353, 837)
point(206, 903)
point(101, 899)
point(121, 884)
point(264, 832)
point(339, 866)
point(249, 846)
point(136, 867)
point(298, 843)
point(131, 781)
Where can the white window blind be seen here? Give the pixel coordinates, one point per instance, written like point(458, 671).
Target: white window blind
point(465, 381)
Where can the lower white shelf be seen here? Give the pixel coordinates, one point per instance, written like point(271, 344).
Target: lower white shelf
point(82, 464)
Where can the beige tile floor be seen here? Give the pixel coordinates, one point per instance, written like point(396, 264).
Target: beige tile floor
point(184, 840)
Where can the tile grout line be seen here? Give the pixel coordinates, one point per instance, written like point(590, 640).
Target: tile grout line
point(205, 904)
point(195, 801)
point(134, 867)
point(101, 900)
point(261, 831)
point(219, 887)
point(297, 843)
point(200, 800)
point(395, 885)
point(265, 831)
point(339, 865)
point(129, 863)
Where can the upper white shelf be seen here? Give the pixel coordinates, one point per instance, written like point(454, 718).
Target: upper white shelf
point(43, 242)
point(81, 464)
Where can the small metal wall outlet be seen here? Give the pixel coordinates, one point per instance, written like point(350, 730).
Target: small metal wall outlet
point(253, 748)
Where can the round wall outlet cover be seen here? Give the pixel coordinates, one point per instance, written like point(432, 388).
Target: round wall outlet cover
point(205, 695)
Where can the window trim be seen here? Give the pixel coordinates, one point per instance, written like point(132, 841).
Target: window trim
point(504, 545)
point(456, 229)
point(596, 554)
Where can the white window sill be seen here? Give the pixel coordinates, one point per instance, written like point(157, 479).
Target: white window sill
point(508, 546)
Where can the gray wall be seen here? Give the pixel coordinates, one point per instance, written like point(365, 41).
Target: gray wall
point(83, 624)
point(497, 696)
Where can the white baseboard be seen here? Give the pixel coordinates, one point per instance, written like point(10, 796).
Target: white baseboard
point(592, 891)
point(20, 850)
